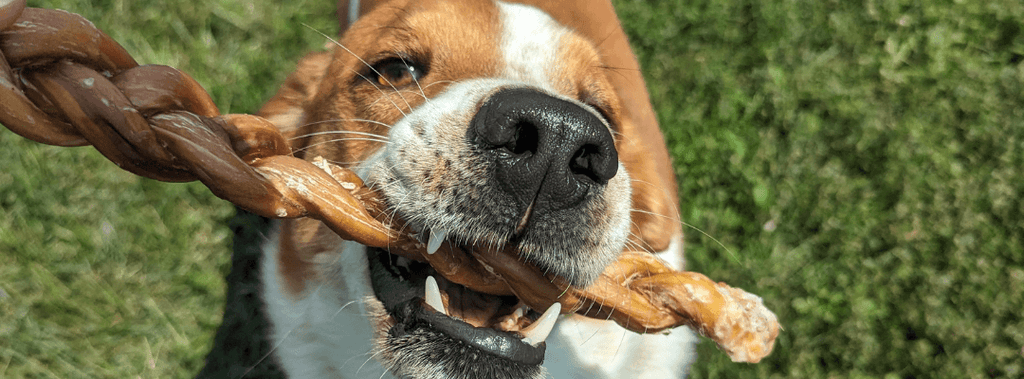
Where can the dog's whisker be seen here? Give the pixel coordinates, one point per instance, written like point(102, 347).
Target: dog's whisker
point(267, 355)
point(370, 135)
point(338, 44)
point(617, 70)
point(593, 334)
point(439, 82)
point(424, 94)
point(636, 242)
point(622, 340)
point(385, 95)
point(383, 141)
point(342, 120)
point(699, 230)
point(647, 212)
point(681, 222)
point(312, 145)
point(368, 65)
point(279, 341)
point(393, 214)
point(368, 359)
point(664, 192)
point(369, 355)
point(336, 313)
point(636, 246)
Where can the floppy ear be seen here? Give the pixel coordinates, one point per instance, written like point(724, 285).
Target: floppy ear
point(288, 108)
point(642, 148)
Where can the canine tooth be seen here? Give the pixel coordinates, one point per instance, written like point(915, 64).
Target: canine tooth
point(526, 217)
point(521, 310)
point(433, 296)
point(436, 237)
point(539, 330)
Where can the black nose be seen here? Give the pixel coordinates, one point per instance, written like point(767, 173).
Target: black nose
point(547, 151)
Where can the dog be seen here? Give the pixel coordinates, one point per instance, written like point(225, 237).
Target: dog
point(523, 124)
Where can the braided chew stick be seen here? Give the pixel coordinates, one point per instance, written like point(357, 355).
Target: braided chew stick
point(638, 291)
point(65, 83)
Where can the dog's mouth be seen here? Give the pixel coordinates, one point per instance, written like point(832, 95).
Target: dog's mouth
point(426, 309)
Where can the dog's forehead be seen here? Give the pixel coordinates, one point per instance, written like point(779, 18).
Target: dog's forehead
point(457, 35)
point(530, 44)
point(465, 39)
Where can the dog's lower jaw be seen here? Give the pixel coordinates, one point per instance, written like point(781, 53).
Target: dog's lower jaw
point(430, 354)
point(335, 328)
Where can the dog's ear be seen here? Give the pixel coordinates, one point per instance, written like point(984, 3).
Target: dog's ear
point(642, 150)
point(655, 211)
point(641, 147)
point(288, 108)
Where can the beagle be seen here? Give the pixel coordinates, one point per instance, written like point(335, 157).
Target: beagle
point(518, 124)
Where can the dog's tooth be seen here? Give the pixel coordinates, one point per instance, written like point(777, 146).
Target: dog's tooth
point(521, 310)
point(433, 296)
point(539, 330)
point(436, 237)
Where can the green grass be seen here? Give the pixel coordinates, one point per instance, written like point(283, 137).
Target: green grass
point(859, 165)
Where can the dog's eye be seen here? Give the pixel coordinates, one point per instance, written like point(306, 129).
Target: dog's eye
point(397, 73)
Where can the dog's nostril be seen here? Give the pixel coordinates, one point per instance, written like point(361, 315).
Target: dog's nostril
point(587, 162)
point(518, 138)
point(524, 140)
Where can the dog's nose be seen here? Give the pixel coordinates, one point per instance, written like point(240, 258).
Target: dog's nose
point(547, 151)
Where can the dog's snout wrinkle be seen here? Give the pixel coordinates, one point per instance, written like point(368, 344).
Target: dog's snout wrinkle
point(547, 150)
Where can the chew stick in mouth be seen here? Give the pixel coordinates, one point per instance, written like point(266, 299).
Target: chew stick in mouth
point(638, 291)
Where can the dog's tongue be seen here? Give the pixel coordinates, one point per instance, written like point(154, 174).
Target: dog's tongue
point(638, 291)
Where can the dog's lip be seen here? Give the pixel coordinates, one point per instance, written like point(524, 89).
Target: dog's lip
point(414, 312)
point(403, 299)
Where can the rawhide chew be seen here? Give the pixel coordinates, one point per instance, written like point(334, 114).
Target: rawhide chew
point(638, 291)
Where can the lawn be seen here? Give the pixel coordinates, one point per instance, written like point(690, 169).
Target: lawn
point(857, 164)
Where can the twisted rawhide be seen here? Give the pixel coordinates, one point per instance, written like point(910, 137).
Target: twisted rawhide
point(638, 291)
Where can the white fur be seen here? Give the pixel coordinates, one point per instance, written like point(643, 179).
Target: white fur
point(529, 44)
point(326, 333)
